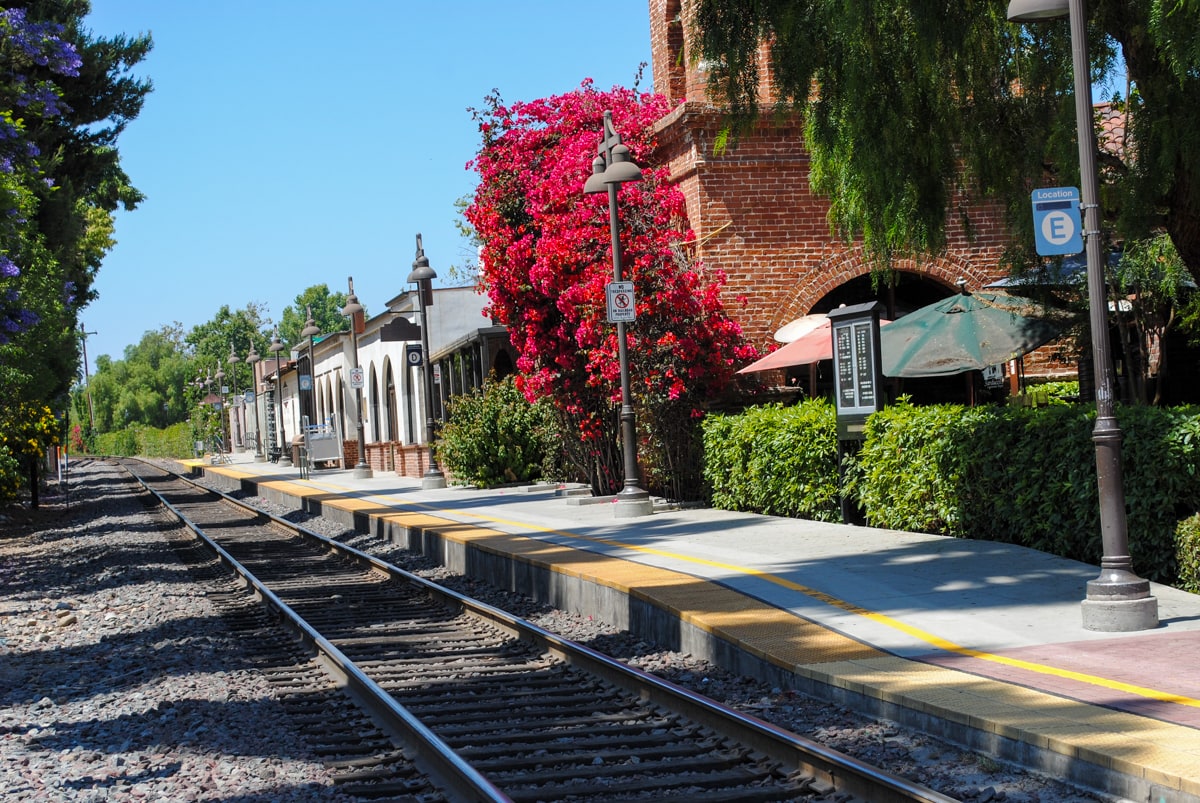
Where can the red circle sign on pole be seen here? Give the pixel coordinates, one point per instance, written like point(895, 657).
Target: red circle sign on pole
point(622, 307)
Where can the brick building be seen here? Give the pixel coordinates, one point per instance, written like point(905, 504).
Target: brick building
point(756, 218)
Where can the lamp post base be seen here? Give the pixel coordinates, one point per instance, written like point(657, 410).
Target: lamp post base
point(433, 482)
point(285, 460)
point(633, 504)
point(1120, 615)
point(363, 472)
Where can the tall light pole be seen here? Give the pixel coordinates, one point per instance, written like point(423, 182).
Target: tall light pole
point(310, 331)
point(219, 378)
point(611, 168)
point(351, 311)
point(87, 383)
point(285, 456)
point(1117, 600)
point(252, 360)
point(233, 361)
point(422, 276)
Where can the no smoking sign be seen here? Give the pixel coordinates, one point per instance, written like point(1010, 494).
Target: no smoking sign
point(622, 307)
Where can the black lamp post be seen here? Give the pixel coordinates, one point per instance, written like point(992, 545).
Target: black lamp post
point(310, 331)
point(422, 276)
point(285, 457)
point(351, 310)
point(610, 169)
point(233, 361)
point(252, 360)
point(219, 378)
point(1117, 600)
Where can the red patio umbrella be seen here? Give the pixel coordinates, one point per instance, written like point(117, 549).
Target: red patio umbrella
point(809, 348)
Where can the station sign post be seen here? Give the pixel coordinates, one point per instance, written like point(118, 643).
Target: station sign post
point(858, 381)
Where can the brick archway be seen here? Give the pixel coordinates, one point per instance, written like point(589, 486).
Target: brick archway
point(839, 268)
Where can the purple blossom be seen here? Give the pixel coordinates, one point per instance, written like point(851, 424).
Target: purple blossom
point(8, 268)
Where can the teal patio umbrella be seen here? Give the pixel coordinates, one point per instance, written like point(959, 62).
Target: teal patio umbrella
point(965, 332)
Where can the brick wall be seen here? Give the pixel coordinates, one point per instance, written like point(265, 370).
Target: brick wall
point(757, 219)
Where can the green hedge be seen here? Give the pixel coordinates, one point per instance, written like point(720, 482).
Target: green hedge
point(176, 441)
point(775, 460)
point(1003, 473)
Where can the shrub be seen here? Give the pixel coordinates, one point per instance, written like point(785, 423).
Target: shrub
point(775, 460)
point(496, 436)
point(1187, 553)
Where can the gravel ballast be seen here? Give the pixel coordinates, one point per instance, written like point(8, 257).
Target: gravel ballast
point(119, 681)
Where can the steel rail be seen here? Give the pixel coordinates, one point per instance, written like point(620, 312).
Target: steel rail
point(435, 757)
point(843, 773)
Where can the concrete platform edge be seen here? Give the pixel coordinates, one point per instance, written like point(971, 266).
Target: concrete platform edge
point(647, 617)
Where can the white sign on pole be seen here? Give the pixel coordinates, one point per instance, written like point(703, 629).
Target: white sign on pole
point(356, 378)
point(622, 306)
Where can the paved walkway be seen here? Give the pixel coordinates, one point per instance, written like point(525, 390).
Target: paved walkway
point(983, 637)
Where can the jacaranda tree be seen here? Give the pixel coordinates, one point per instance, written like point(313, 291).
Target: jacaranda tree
point(546, 258)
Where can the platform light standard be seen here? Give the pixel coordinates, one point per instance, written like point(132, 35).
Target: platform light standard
point(87, 383)
point(1117, 600)
point(233, 361)
point(422, 276)
point(285, 457)
point(351, 311)
point(611, 168)
point(252, 360)
point(219, 405)
point(310, 331)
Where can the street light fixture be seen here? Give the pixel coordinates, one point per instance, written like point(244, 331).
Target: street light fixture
point(285, 457)
point(1117, 600)
point(252, 360)
point(422, 276)
point(611, 168)
point(352, 309)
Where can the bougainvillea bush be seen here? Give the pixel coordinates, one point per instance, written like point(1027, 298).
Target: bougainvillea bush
point(546, 258)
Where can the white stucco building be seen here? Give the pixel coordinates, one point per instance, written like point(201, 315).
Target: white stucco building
point(465, 349)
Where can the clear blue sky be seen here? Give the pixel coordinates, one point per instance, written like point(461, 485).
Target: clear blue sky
point(289, 143)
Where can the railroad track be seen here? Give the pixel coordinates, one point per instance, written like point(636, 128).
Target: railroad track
point(457, 700)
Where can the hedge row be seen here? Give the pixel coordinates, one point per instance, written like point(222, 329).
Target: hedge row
point(1014, 474)
point(175, 441)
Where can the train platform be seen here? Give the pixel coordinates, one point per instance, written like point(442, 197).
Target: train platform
point(978, 642)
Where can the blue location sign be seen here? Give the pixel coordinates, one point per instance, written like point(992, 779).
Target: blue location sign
point(1057, 228)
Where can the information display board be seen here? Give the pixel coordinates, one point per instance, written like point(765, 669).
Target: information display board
point(858, 376)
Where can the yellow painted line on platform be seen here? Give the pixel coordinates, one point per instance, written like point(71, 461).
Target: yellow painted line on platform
point(880, 618)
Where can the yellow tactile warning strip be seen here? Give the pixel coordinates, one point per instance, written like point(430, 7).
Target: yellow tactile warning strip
point(1159, 752)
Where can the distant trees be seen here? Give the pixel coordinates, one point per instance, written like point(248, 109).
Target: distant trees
point(156, 383)
point(326, 311)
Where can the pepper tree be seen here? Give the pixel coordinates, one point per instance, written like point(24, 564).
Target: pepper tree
point(546, 258)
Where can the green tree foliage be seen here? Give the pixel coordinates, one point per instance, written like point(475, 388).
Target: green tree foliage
point(1152, 279)
point(66, 107)
point(906, 102)
point(326, 310)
